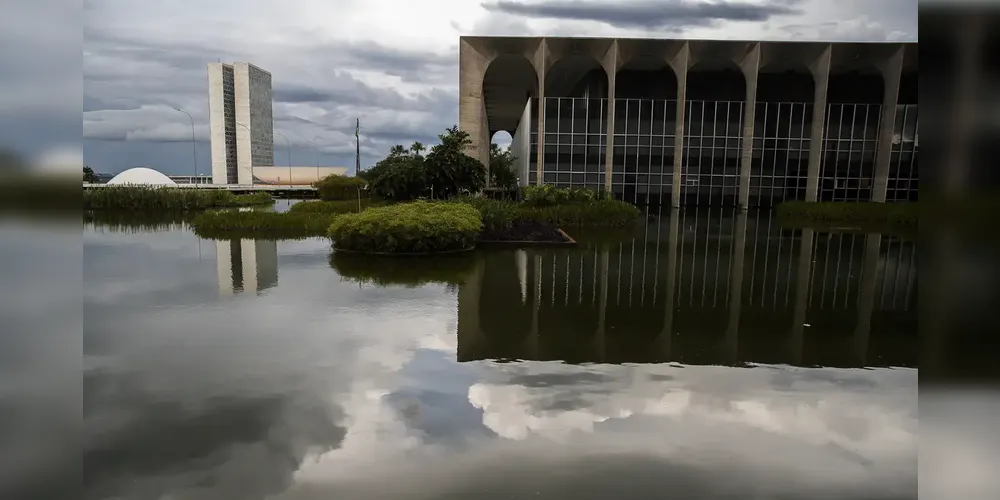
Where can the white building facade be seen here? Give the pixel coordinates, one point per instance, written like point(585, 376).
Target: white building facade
point(239, 96)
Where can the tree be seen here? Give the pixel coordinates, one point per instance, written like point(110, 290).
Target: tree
point(449, 170)
point(502, 174)
point(89, 175)
point(446, 171)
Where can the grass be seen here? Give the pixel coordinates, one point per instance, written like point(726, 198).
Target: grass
point(334, 207)
point(498, 214)
point(388, 271)
point(415, 227)
point(261, 225)
point(167, 198)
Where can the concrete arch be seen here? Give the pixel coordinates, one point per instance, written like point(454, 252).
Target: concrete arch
point(509, 82)
point(646, 77)
point(501, 137)
point(857, 73)
point(786, 72)
point(577, 75)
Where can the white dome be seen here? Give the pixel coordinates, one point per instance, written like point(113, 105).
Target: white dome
point(141, 176)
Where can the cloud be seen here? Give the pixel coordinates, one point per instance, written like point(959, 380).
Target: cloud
point(649, 15)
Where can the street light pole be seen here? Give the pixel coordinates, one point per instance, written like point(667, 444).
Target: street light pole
point(316, 148)
point(249, 137)
point(288, 147)
point(194, 148)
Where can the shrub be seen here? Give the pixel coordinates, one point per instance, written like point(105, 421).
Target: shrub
point(260, 225)
point(385, 271)
point(602, 213)
point(340, 187)
point(417, 227)
point(547, 194)
point(866, 213)
point(333, 207)
point(496, 214)
point(168, 198)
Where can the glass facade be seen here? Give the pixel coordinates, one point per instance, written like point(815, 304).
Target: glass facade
point(643, 150)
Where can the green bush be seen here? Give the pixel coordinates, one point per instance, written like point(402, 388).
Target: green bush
point(339, 187)
point(261, 225)
point(417, 227)
point(385, 271)
point(601, 213)
point(168, 198)
point(547, 195)
point(496, 214)
point(863, 213)
point(333, 207)
point(502, 174)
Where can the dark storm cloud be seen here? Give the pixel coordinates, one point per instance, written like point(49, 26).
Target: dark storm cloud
point(647, 14)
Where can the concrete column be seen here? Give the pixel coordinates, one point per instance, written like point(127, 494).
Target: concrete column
point(820, 69)
point(472, 66)
point(750, 65)
point(866, 297)
point(610, 64)
point(469, 331)
point(680, 65)
point(802, 276)
point(486, 136)
point(892, 69)
point(665, 340)
point(736, 287)
point(541, 67)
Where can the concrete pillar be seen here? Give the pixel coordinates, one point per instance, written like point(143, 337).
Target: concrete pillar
point(680, 65)
point(541, 67)
point(610, 63)
point(665, 339)
point(486, 136)
point(866, 297)
point(736, 287)
point(469, 330)
point(802, 288)
point(892, 69)
point(750, 66)
point(820, 69)
point(472, 66)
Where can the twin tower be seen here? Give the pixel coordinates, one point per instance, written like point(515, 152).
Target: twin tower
point(239, 99)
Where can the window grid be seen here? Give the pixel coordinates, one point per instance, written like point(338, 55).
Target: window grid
point(847, 170)
point(642, 166)
point(780, 160)
point(903, 178)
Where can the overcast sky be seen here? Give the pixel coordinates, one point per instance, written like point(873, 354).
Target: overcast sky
point(392, 64)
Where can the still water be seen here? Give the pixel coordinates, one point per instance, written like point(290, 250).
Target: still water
point(705, 355)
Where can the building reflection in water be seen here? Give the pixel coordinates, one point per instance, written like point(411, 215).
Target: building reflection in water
point(741, 290)
point(246, 265)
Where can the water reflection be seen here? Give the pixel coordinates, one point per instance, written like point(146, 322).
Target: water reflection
point(246, 265)
point(730, 290)
point(343, 380)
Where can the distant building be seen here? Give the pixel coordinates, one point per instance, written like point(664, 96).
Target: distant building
point(239, 99)
point(141, 176)
point(302, 176)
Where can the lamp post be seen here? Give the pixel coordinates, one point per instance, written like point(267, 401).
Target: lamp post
point(251, 157)
point(316, 148)
point(194, 148)
point(288, 147)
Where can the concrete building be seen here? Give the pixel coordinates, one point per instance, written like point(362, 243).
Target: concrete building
point(239, 98)
point(697, 121)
